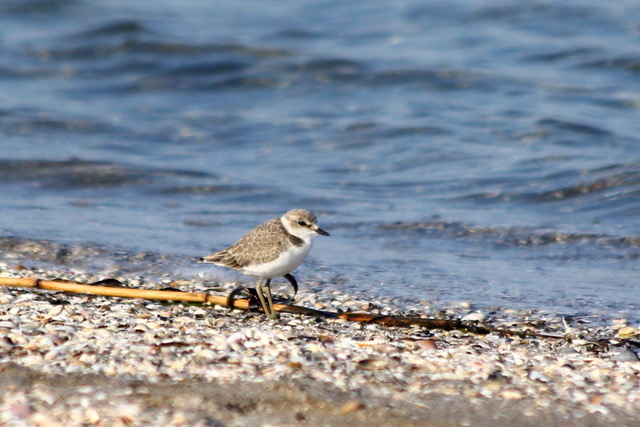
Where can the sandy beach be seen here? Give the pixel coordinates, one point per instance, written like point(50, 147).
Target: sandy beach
point(72, 359)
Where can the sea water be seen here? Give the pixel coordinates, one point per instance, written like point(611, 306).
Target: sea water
point(480, 151)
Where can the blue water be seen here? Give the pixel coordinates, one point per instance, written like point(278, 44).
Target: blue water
point(479, 151)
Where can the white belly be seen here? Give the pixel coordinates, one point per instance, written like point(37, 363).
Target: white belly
point(284, 264)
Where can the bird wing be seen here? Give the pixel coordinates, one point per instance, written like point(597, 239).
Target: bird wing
point(261, 245)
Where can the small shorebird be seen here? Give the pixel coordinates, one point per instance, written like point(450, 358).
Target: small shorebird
point(272, 249)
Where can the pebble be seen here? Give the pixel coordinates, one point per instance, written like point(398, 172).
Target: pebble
point(474, 317)
point(154, 342)
point(427, 344)
point(628, 332)
point(352, 406)
point(625, 355)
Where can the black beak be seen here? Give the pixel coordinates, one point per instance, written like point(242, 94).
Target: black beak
point(321, 231)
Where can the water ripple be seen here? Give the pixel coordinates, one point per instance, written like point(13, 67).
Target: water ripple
point(512, 237)
point(77, 173)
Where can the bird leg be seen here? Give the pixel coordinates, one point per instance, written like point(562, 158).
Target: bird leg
point(293, 282)
point(254, 302)
point(267, 285)
point(254, 298)
point(267, 306)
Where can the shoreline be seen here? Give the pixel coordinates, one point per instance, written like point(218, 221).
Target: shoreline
point(73, 358)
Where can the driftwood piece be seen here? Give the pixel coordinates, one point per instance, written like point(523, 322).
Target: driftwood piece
point(244, 304)
point(117, 291)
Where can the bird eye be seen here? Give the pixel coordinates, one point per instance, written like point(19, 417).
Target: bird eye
point(302, 223)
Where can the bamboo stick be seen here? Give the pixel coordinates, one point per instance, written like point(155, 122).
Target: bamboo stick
point(244, 304)
point(199, 297)
point(118, 291)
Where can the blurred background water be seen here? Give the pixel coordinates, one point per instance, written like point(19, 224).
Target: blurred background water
point(482, 151)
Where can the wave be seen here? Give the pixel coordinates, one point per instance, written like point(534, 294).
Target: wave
point(510, 236)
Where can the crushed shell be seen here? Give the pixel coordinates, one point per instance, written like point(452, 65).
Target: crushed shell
point(74, 333)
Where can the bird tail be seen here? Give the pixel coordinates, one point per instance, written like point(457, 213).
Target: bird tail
point(215, 258)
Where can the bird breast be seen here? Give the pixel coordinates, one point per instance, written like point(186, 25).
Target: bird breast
point(285, 263)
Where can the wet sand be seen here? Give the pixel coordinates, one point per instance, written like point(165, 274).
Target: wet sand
point(121, 401)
